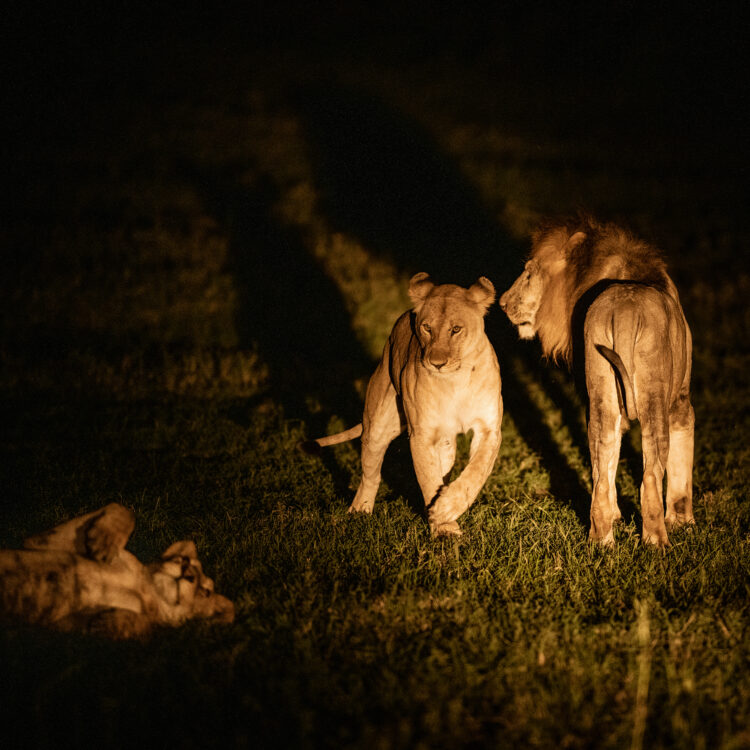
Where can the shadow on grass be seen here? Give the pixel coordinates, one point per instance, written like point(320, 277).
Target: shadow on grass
point(384, 181)
point(288, 309)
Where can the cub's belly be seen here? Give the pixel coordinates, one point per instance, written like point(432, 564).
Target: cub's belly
point(42, 586)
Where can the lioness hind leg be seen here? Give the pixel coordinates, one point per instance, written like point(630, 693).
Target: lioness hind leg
point(380, 425)
point(680, 466)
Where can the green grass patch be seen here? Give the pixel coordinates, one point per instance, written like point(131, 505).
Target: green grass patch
point(216, 285)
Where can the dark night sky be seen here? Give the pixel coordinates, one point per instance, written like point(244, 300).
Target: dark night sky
point(696, 50)
point(682, 65)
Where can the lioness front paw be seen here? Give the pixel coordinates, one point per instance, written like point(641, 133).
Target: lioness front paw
point(364, 500)
point(446, 507)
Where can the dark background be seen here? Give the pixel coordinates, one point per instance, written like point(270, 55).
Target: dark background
point(683, 64)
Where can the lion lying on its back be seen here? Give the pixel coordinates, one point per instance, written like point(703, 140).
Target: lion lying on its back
point(78, 576)
point(438, 377)
point(637, 352)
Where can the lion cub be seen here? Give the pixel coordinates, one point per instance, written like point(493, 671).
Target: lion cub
point(78, 576)
point(438, 377)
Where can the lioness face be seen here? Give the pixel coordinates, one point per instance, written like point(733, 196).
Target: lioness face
point(521, 302)
point(447, 329)
point(180, 582)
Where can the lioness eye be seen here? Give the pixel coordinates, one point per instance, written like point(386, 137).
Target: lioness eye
point(426, 327)
point(455, 330)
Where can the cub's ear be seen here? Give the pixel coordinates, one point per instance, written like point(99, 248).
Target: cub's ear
point(482, 293)
point(181, 549)
point(419, 287)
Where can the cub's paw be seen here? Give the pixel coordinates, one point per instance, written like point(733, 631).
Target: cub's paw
point(108, 532)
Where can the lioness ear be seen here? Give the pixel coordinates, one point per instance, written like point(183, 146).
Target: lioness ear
point(482, 293)
point(180, 549)
point(419, 287)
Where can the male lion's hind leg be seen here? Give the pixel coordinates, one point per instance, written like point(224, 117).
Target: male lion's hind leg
point(655, 451)
point(455, 498)
point(380, 427)
point(99, 535)
point(680, 467)
point(604, 445)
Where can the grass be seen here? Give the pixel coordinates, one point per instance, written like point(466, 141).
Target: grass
point(216, 283)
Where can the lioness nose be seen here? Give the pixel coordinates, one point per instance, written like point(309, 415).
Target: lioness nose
point(503, 301)
point(437, 364)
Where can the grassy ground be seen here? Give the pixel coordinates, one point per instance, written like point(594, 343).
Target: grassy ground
point(206, 272)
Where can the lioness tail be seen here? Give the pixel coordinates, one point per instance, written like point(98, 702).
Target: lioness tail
point(614, 359)
point(313, 446)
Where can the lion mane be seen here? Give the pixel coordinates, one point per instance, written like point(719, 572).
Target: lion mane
point(575, 254)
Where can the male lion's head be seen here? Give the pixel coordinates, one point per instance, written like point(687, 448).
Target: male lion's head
point(567, 259)
point(188, 593)
point(545, 279)
point(449, 320)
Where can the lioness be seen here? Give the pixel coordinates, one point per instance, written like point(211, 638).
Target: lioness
point(438, 377)
point(78, 576)
point(598, 280)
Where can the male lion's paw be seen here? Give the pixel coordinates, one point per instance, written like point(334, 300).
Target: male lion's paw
point(451, 528)
point(656, 539)
point(608, 540)
point(675, 521)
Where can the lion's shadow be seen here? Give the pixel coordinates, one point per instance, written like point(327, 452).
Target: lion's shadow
point(289, 309)
point(386, 182)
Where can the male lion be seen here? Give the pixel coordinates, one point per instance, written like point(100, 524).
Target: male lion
point(78, 576)
point(438, 377)
point(598, 280)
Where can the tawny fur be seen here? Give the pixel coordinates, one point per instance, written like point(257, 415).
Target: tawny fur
point(78, 576)
point(438, 377)
point(599, 283)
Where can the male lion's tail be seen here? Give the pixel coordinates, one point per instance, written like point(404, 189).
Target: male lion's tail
point(627, 384)
point(313, 447)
